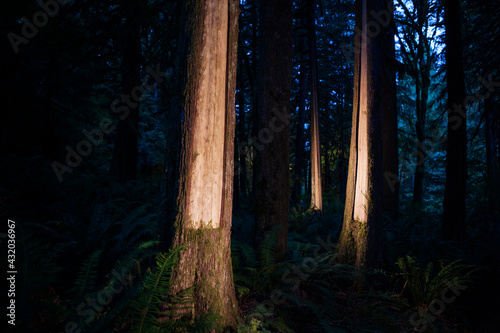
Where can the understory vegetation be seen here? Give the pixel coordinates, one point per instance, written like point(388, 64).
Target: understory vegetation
point(101, 269)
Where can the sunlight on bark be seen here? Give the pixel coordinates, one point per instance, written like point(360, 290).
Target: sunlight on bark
point(206, 180)
point(360, 202)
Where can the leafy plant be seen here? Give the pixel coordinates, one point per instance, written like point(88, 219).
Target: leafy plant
point(423, 285)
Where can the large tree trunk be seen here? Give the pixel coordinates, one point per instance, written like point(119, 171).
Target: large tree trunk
point(207, 160)
point(125, 155)
point(456, 151)
point(316, 186)
point(361, 236)
point(275, 70)
point(390, 125)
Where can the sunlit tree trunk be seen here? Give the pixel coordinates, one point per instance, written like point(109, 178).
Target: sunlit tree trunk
point(361, 236)
point(272, 163)
point(456, 151)
point(205, 197)
point(125, 154)
point(316, 185)
point(390, 125)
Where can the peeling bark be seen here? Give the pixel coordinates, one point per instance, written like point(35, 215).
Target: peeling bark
point(360, 241)
point(207, 160)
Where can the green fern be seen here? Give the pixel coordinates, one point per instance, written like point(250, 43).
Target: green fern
point(86, 280)
point(422, 285)
point(155, 287)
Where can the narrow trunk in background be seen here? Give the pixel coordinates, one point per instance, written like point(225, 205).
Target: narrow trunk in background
point(237, 163)
point(255, 107)
point(493, 186)
point(454, 211)
point(125, 155)
point(316, 185)
point(272, 163)
point(205, 197)
point(422, 83)
point(390, 124)
point(300, 138)
point(360, 240)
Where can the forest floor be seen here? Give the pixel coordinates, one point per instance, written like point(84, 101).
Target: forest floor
point(426, 284)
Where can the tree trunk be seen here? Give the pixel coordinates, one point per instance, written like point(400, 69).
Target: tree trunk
point(242, 139)
point(361, 236)
point(422, 82)
point(207, 160)
point(493, 190)
point(272, 163)
point(316, 186)
point(125, 154)
point(422, 93)
point(390, 125)
point(255, 108)
point(453, 227)
point(300, 138)
point(239, 140)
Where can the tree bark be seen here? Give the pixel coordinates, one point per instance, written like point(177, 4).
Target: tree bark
point(361, 236)
point(203, 221)
point(454, 211)
point(316, 185)
point(390, 125)
point(272, 163)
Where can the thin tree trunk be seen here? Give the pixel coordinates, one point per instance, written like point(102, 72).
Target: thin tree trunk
point(316, 186)
point(243, 182)
point(493, 190)
point(239, 168)
point(255, 108)
point(272, 163)
point(390, 126)
point(422, 81)
point(300, 138)
point(418, 185)
point(207, 160)
point(454, 211)
point(361, 236)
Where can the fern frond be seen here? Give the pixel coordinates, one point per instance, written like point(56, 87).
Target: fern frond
point(86, 280)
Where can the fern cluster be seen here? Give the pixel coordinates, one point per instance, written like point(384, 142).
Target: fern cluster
point(423, 285)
